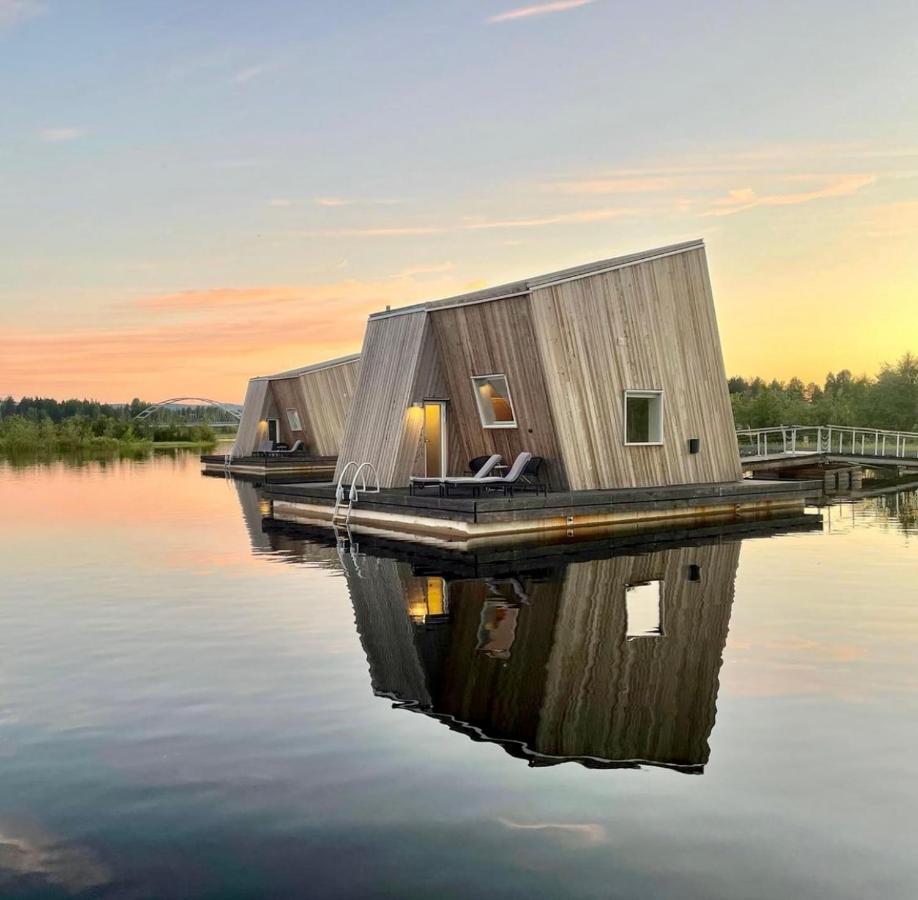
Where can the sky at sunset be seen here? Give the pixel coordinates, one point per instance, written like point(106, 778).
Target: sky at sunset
point(195, 191)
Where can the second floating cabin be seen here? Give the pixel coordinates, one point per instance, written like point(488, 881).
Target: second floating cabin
point(293, 422)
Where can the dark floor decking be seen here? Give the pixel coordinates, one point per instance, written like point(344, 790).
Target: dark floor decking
point(558, 503)
point(305, 467)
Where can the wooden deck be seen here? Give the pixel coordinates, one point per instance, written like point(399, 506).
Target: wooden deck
point(395, 511)
point(303, 468)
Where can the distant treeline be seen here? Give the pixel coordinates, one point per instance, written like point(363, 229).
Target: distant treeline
point(36, 408)
point(38, 424)
point(889, 400)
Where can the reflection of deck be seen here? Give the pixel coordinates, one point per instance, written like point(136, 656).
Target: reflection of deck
point(310, 468)
point(467, 518)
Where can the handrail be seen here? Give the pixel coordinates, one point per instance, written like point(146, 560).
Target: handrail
point(358, 483)
point(339, 490)
point(844, 440)
point(355, 491)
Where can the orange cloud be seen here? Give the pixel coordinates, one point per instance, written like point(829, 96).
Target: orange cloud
point(236, 333)
point(540, 9)
point(741, 199)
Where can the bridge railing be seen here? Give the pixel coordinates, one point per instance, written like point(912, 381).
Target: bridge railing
point(839, 440)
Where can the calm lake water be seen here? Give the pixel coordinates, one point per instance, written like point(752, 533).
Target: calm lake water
point(191, 708)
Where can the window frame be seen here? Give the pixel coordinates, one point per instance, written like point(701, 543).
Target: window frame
point(478, 400)
point(299, 421)
point(649, 393)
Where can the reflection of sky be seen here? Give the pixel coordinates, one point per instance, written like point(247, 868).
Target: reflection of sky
point(175, 709)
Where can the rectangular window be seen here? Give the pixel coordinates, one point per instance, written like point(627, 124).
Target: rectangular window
point(492, 393)
point(293, 420)
point(643, 417)
point(644, 609)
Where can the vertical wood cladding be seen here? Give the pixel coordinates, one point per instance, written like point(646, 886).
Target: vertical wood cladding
point(487, 339)
point(321, 395)
point(382, 426)
point(649, 326)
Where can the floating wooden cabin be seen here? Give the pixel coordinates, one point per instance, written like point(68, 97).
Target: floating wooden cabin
point(307, 405)
point(612, 372)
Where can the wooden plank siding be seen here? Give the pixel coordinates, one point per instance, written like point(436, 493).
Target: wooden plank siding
point(647, 326)
point(251, 431)
point(321, 395)
point(570, 348)
point(382, 427)
point(487, 339)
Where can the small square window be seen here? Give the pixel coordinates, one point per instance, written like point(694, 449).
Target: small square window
point(643, 417)
point(293, 420)
point(644, 609)
point(492, 393)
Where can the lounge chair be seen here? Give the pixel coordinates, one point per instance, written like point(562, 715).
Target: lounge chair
point(483, 472)
point(264, 448)
point(531, 478)
point(298, 449)
point(506, 483)
point(476, 464)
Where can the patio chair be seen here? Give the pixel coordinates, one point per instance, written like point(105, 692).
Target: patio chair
point(476, 464)
point(483, 471)
point(531, 477)
point(264, 448)
point(298, 449)
point(505, 483)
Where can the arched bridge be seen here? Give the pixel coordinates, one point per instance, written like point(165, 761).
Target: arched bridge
point(785, 445)
point(234, 415)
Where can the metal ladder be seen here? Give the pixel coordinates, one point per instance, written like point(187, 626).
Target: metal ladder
point(358, 484)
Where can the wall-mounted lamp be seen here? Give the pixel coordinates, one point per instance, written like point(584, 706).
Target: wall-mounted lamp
point(418, 404)
point(694, 572)
point(694, 445)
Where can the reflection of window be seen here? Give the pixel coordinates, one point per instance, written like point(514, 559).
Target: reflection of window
point(293, 420)
point(494, 404)
point(643, 417)
point(427, 599)
point(644, 608)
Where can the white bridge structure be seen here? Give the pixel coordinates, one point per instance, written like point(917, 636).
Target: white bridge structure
point(828, 443)
point(235, 415)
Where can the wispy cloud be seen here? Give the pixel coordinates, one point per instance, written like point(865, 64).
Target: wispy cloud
point(568, 218)
point(386, 231)
point(433, 269)
point(538, 9)
point(60, 135)
point(613, 185)
point(12, 12)
point(332, 202)
point(248, 74)
point(740, 199)
point(249, 329)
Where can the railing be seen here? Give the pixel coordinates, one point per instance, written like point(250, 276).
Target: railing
point(358, 484)
point(837, 440)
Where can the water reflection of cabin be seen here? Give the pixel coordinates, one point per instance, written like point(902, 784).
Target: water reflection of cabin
point(300, 414)
point(610, 662)
point(608, 371)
